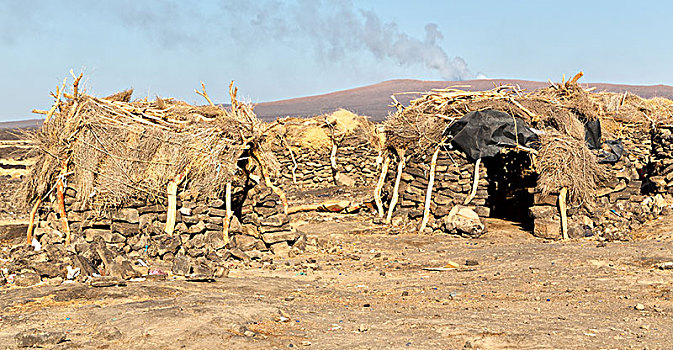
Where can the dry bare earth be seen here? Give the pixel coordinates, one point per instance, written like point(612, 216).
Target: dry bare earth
point(361, 288)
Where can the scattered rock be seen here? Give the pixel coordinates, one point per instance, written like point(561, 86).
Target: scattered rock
point(344, 180)
point(464, 220)
point(181, 266)
point(27, 279)
point(471, 262)
point(666, 265)
point(107, 281)
point(639, 307)
point(36, 338)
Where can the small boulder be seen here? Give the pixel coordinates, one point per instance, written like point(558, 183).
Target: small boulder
point(464, 221)
point(344, 180)
point(34, 338)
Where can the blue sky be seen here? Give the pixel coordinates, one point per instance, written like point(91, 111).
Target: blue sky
point(283, 49)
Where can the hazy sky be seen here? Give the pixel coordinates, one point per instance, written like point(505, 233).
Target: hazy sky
point(283, 49)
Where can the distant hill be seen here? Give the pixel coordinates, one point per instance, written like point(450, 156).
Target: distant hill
point(21, 124)
point(374, 100)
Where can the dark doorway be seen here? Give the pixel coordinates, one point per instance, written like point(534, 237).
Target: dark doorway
point(511, 180)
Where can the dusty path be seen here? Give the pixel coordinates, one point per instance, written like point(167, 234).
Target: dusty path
point(359, 289)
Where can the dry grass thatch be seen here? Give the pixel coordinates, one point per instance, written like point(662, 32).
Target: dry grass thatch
point(559, 110)
point(317, 134)
point(114, 151)
point(625, 115)
point(565, 161)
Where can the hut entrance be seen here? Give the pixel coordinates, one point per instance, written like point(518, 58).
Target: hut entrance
point(510, 178)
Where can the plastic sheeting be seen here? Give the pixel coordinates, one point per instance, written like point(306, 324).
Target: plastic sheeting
point(485, 133)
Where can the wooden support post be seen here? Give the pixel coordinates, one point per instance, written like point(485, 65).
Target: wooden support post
point(563, 210)
point(172, 192)
point(428, 193)
point(475, 183)
point(379, 186)
point(332, 161)
point(227, 219)
point(31, 224)
point(396, 189)
point(61, 208)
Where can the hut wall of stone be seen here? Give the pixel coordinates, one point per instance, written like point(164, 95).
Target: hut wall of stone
point(259, 228)
point(454, 175)
point(662, 160)
point(355, 164)
point(621, 207)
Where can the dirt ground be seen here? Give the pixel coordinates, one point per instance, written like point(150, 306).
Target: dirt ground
point(365, 286)
point(359, 287)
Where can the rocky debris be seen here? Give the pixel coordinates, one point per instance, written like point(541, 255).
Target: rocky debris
point(464, 221)
point(34, 338)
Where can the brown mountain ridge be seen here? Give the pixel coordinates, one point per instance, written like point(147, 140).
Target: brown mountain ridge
point(374, 100)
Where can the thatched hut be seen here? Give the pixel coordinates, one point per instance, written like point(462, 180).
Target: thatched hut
point(157, 179)
point(535, 158)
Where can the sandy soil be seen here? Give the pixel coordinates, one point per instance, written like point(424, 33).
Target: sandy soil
point(359, 287)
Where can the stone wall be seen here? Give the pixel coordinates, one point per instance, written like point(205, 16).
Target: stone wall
point(355, 164)
point(621, 207)
point(662, 160)
point(259, 229)
point(453, 182)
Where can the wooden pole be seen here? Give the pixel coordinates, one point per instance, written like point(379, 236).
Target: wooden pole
point(227, 219)
point(31, 224)
point(61, 208)
point(332, 160)
point(428, 193)
point(396, 189)
point(562, 209)
point(379, 187)
point(475, 183)
point(172, 191)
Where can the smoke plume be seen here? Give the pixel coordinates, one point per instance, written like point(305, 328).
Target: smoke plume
point(334, 30)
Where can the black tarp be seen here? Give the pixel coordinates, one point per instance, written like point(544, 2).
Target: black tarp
point(592, 134)
point(484, 133)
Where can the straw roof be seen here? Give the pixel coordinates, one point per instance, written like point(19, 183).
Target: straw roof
point(317, 134)
point(113, 151)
